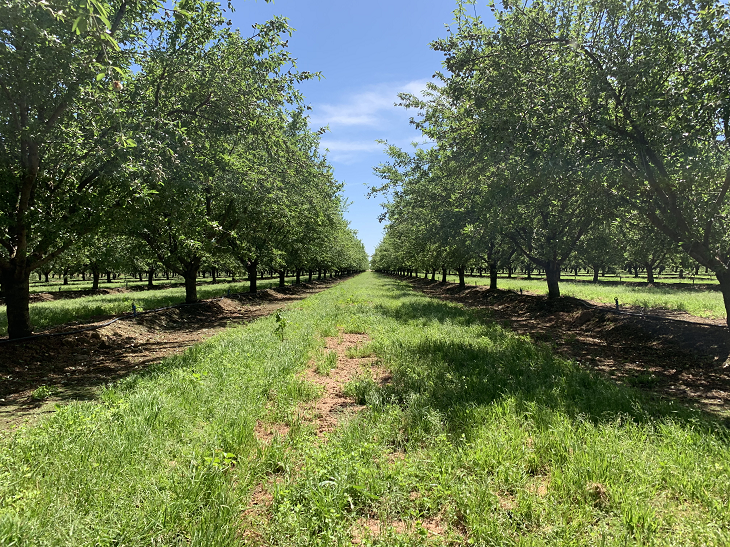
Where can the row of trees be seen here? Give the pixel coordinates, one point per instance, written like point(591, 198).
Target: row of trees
point(111, 256)
point(611, 249)
point(157, 123)
point(568, 128)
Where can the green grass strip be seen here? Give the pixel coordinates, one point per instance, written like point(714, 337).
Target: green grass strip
point(160, 460)
point(49, 314)
point(499, 442)
point(699, 302)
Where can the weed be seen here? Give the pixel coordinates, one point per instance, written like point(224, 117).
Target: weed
point(42, 392)
point(327, 363)
point(281, 323)
point(644, 379)
point(363, 389)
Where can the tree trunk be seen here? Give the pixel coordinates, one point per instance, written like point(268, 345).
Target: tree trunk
point(310, 273)
point(150, 277)
point(595, 275)
point(16, 290)
point(251, 269)
point(46, 276)
point(190, 275)
point(213, 275)
point(649, 273)
point(443, 275)
point(319, 275)
point(724, 279)
point(433, 274)
point(299, 276)
point(462, 281)
point(282, 278)
point(492, 276)
point(108, 277)
point(95, 283)
point(552, 273)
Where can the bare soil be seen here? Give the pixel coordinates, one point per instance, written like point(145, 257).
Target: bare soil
point(74, 366)
point(333, 405)
point(672, 354)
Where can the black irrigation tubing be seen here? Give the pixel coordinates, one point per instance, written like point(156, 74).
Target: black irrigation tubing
point(125, 316)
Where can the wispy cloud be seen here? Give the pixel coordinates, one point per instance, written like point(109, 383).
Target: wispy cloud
point(345, 151)
point(369, 108)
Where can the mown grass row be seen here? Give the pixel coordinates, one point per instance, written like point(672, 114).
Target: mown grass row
point(699, 302)
point(58, 312)
point(486, 436)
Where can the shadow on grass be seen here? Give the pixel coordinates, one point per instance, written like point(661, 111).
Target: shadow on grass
point(458, 369)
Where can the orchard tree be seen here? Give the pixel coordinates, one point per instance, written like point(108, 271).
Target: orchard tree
point(650, 89)
point(66, 164)
point(217, 97)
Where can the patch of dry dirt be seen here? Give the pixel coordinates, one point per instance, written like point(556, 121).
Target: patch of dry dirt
point(74, 366)
point(324, 413)
point(672, 354)
point(333, 405)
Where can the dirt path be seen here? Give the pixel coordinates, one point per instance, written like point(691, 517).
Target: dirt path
point(73, 367)
point(672, 354)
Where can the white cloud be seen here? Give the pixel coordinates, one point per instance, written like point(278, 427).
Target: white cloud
point(368, 108)
point(351, 146)
point(344, 151)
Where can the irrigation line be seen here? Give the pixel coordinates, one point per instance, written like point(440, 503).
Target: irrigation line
point(646, 315)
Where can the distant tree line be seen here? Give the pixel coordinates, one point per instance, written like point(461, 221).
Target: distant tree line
point(141, 135)
point(570, 134)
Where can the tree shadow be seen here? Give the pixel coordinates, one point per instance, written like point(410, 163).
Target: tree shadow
point(450, 373)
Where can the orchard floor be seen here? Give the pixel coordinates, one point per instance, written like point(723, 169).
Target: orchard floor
point(672, 354)
point(73, 367)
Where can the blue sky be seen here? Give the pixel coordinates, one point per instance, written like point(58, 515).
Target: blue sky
point(367, 52)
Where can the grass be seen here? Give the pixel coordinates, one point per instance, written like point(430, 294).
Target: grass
point(700, 302)
point(482, 438)
point(58, 312)
point(163, 457)
point(326, 362)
